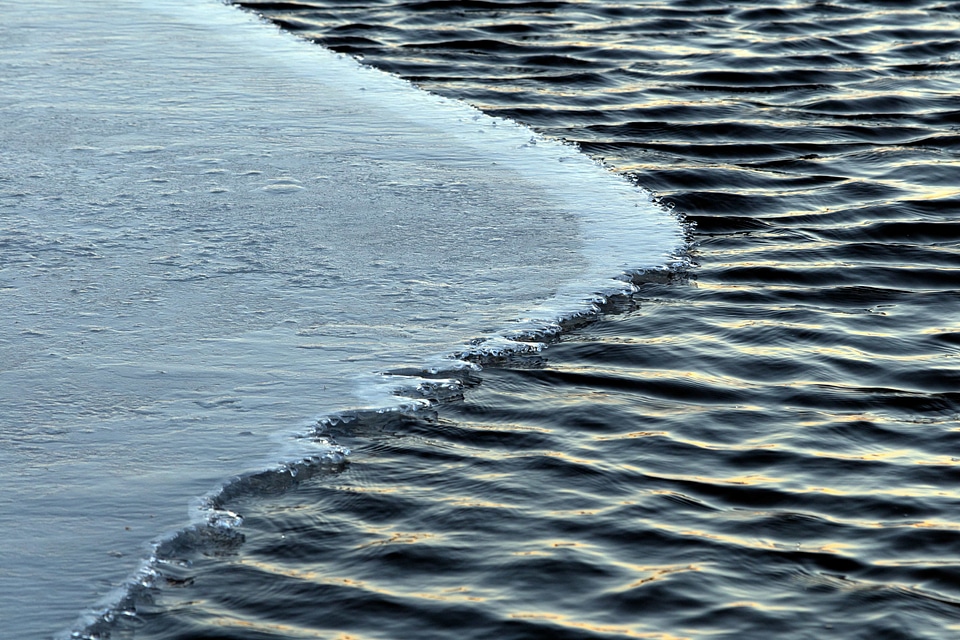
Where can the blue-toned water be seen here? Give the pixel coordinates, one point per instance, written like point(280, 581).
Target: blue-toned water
point(216, 235)
point(763, 445)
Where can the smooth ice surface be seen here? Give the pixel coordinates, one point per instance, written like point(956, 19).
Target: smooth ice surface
point(210, 234)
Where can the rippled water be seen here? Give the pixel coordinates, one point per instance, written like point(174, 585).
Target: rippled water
point(768, 447)
point(212, 234)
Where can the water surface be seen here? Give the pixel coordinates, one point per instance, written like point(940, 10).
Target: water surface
point(213, 234)
point(768, 447)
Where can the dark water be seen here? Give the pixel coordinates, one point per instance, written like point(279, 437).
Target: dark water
point(767, 448)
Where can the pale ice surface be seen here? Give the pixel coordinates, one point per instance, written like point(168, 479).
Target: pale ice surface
point(211, 233)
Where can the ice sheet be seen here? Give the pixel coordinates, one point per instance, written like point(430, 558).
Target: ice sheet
point(210, 234)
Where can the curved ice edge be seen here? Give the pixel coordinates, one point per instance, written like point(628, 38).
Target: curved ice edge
point(213, 527)
point(410, 392)
point(534, 156)
point(416, 391)
point(444, 379)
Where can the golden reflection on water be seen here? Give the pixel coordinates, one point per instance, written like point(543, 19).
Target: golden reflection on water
point(458, 593)
point(397, 537)
point(566, 621)
point(940, 193)
point(287, 630)
point(632, 435)
point(654, 573)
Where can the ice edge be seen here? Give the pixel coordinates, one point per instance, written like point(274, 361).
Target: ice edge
point(405, 393)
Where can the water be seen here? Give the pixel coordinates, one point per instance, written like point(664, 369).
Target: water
point(214, 235)
point(766, 445)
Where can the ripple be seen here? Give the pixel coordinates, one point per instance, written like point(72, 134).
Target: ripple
point(768, 447)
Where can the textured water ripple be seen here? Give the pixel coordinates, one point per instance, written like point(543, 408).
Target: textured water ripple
point(768, 448)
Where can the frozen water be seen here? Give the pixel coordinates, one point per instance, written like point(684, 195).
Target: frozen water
point(210, 234)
